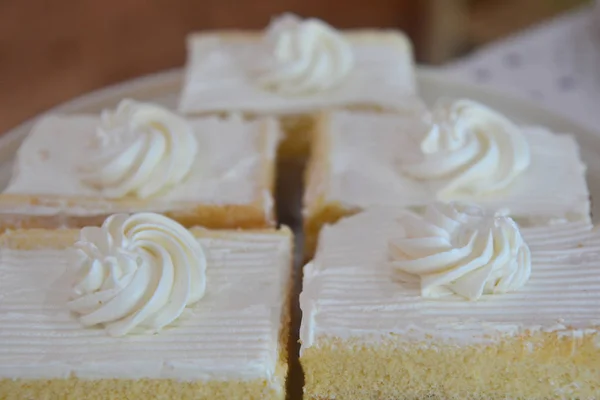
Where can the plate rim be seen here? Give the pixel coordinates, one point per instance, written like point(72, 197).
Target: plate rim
point(162, 82)
point(170, 77)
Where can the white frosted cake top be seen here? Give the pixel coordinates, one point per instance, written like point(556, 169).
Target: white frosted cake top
point(367, 154)
point(231, 333)
point(258, 72)
point(228, 167)
point(351, 291)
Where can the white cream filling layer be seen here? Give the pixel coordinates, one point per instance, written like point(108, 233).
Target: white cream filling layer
point(367, 152)
point(222, 75)
point(349, 290)
point(227, 170)
point(232, 333)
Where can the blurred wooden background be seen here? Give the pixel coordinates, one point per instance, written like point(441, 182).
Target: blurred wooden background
point(51, 51)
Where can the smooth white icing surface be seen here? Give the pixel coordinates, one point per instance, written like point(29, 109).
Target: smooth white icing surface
point(135, 272)
point(367, 152)
point(306, 56)
point(349, 290)
point(227, 169)
point(462, 249)
point(232, 333)
point(221, 75)
point(141, 149)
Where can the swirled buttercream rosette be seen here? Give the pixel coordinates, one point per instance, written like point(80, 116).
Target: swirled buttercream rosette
point(306, 56)
point(461, 249)
point(143, 150)
point(137, 271)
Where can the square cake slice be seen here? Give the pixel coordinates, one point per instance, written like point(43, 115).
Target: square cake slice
point(67, 337)
point(454, 304)
point(74, 170)
point(462, 151)
point(295, 68)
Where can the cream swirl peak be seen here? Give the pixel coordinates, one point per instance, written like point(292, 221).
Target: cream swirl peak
point(461, 249)
point(472, 147)
point(307, 56)
point(143, 150)
point(136, 271)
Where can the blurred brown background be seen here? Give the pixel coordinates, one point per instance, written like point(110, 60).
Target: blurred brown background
point(51, 51)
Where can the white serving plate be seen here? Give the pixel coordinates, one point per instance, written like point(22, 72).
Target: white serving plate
point(163, 88)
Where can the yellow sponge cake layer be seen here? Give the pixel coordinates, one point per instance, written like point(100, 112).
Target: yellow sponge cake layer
point(396, 370)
